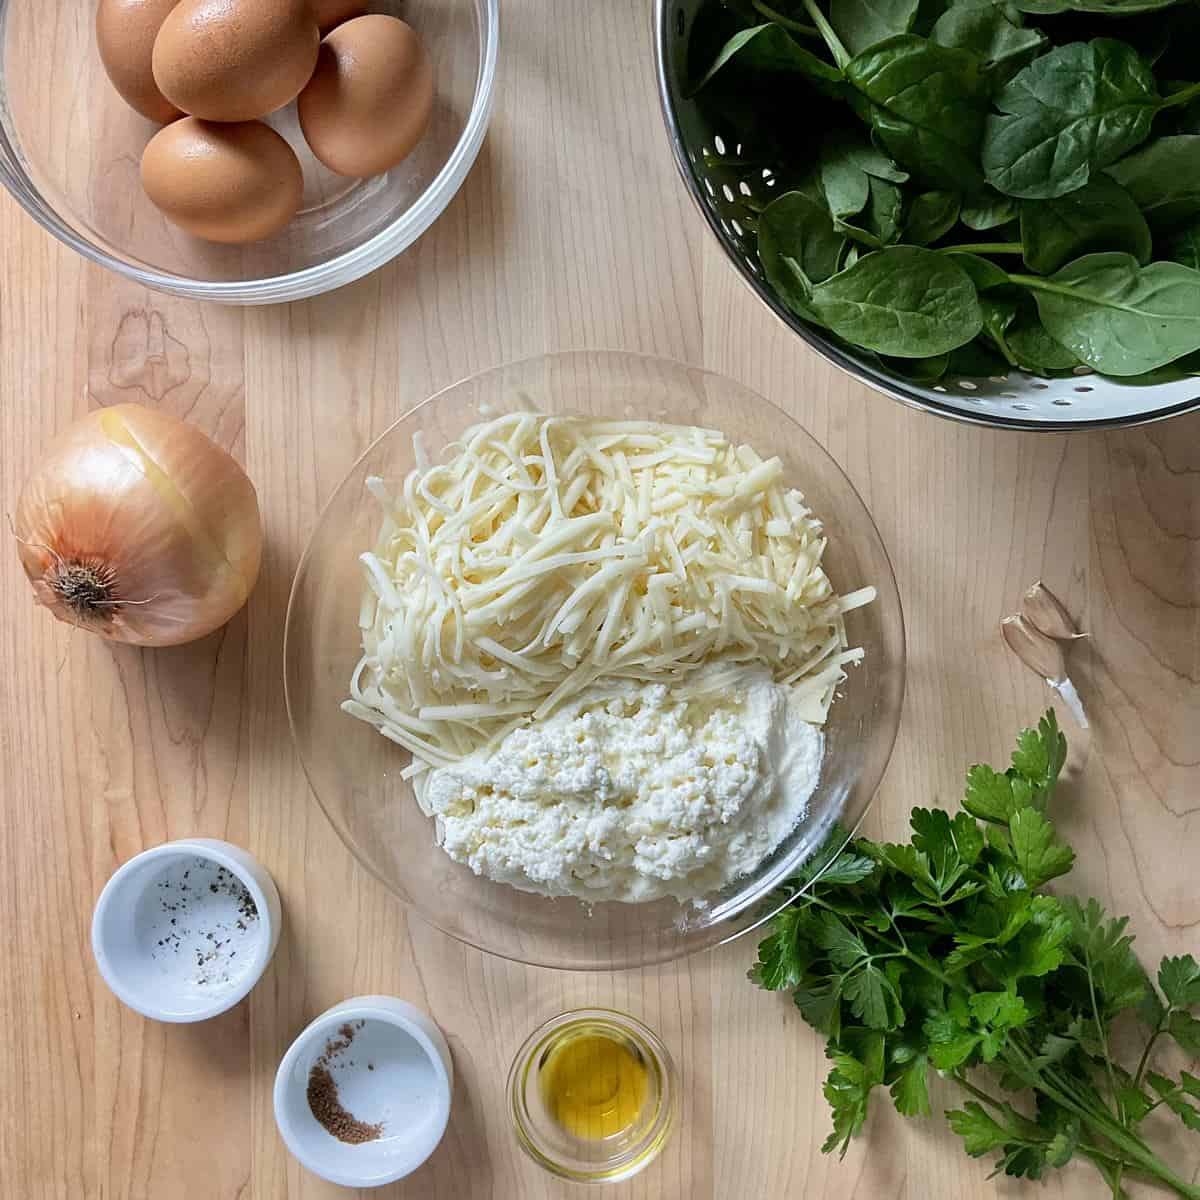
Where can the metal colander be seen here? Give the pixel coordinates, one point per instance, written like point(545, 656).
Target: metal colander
point(712, 159)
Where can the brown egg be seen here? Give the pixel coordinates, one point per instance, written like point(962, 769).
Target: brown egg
point(125, 33)
point(369, 100)
point(224, 182)
point(333, 12)
point(234, 60)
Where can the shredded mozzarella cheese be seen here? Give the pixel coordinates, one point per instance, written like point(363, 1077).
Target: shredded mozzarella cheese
point(547, 555)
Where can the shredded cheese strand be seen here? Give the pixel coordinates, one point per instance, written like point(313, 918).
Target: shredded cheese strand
point(545, 555)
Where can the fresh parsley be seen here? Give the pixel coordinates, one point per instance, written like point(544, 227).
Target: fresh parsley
point(944, 954)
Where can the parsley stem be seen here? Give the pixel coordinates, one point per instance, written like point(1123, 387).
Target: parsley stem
point(928, 967)
point(809, 31)
point(1144, 1061)
point(1100, 1028)
point(978, 1093)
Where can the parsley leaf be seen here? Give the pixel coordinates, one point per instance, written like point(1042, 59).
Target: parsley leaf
point(979, 1132)
point(1040, 755)
point(1040, 855)
point(873, 998)
point(848, 1091)
point(1172, 1095)
point(989, 795)
point(1179, 979)
point(780, 964)
point(910, 1088)
point(1104, 950)
point(819, 1002)
point(1185, 1029)
point(847, 868)
point(845, 948)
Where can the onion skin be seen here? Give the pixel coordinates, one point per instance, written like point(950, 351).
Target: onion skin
point(140, 528)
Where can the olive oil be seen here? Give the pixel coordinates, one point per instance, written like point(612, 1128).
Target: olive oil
point(594, 1084)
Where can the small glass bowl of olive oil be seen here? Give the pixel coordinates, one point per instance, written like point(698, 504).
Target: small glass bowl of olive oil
point(592, 1095)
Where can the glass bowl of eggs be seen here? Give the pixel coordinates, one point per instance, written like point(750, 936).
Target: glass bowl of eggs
point(243, 151)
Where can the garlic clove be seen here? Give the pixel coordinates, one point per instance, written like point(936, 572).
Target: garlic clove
point(1044, 656)
point(1041, 654)
point(1046, 613)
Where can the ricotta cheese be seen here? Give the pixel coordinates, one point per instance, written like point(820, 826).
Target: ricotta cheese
point(634, 792)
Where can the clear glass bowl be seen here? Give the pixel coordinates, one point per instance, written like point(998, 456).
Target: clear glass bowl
point(355, 772)
point(70, 150)
point(586, 1160)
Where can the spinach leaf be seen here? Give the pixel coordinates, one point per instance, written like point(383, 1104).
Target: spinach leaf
point(1011, 321)
point(1163, 177)
point(999, 311)
point(904, 301)
point(1068, 114)
point(927, 105)
point(770, 48)
point(983, 272)
point(1184, 247)
point(859, 186)
point(880, 222)
point(930, 216)
point(797, 246)
point(987, 209)
point(847, 154)
point(862, 24)
point(986, 28)
point(1099, 216)
point(1032, 348)
point(1117, 316)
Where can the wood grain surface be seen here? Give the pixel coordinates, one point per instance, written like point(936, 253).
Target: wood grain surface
point(571, 231)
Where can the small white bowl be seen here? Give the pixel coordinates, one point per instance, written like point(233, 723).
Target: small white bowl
point(396, 1072)
point(183, 931)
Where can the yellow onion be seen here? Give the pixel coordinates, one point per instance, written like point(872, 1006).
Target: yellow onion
point(138, 527)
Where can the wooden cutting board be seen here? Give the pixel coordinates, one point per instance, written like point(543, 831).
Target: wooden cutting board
point(571, 231)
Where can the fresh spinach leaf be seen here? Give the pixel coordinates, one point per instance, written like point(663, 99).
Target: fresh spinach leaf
point(770, 48)
point(904, 301)
point(987, 209)
point(1098, 216)
point(847, 164)
point(798, 247)
point(1011, 321)
point(926, 105)
point(1068, 114)
point(862, 24)
point(991, 31)
point(1117, 316)
point(879, 224)
point(930, 216)
point(999, 311)
point(1163, 177)
point(860, 187)
point(983, 272)
point(1032, 348)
